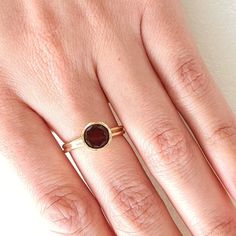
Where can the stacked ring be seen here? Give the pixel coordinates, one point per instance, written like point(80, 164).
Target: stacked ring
point(95, 135)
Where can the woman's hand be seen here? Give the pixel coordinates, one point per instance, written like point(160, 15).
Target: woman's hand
point(61, 62)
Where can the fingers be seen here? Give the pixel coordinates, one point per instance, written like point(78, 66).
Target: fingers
point(63, 199)
point(115, 176)
point(192, 89)
point(164, 142)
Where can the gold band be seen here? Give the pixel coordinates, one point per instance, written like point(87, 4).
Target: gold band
point(81, 141)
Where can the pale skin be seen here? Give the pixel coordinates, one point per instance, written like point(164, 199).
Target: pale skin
point(61, 63)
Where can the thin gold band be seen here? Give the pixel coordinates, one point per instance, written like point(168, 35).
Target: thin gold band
point(79, 142)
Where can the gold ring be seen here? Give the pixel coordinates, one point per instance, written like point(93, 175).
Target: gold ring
point(95, 135)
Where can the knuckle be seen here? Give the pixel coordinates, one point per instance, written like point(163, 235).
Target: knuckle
point(223, 133)
point(170, 142)
point(66, 211)
point(191, 78)
point(167, 143)
point(49, 58)
point(135, 204)
point(169, 149)
point(223, 227)
point(60, 77)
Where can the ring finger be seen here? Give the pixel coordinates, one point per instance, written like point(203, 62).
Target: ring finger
point(113, 173)
point(62, 197)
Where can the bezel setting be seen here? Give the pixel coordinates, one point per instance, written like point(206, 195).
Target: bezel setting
point(93, 124)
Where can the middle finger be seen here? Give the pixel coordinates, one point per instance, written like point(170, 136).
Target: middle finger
point(167, 147)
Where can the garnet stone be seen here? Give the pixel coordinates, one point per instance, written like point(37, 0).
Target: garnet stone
point(96, 136)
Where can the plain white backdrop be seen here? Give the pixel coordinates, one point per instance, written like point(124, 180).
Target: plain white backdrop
point(213, 24)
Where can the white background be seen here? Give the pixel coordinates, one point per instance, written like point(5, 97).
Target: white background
point(213, 24)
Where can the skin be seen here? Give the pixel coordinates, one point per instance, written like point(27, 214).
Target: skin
point(61, 63)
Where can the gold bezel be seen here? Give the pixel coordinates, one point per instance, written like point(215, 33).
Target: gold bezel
point(96, 123)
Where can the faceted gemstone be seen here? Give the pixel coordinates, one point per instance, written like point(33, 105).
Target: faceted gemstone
point(96, 136)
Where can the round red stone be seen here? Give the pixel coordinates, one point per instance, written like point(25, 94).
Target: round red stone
point(96, 136)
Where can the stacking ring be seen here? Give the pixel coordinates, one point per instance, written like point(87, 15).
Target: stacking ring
point(95, 135)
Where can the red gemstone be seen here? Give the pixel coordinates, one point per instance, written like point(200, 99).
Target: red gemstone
point(96, 136)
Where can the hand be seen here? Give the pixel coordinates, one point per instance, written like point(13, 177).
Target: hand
point(61, 63)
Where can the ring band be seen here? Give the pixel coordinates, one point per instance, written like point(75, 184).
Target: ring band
point(95, 135)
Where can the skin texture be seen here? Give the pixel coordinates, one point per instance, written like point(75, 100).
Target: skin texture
point(62, 63)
